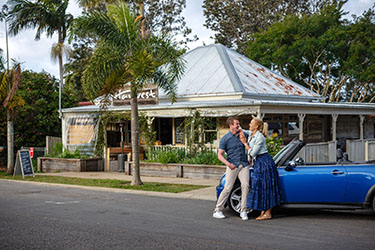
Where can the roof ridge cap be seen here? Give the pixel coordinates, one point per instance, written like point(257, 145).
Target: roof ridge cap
point(228, 65)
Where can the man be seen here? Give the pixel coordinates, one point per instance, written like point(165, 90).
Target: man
point(237, 166)
point(275, 133)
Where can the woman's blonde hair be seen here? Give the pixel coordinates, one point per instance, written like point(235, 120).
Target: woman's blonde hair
point(262, 126)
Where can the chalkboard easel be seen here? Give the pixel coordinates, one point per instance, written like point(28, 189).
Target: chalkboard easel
point(24, 164)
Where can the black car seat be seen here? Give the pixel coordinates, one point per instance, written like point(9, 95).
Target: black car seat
point(339, 155)
point(342, 157)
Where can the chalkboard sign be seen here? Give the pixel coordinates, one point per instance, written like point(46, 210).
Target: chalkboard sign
point(24, 164)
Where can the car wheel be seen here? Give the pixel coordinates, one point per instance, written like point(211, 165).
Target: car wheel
point(234, 200)
point(373, 204)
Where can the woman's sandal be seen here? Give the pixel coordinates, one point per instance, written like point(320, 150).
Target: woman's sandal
point(264, 216)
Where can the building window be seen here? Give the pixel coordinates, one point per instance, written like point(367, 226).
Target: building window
point(275, 126)
point(210, 131)
point(293, 128)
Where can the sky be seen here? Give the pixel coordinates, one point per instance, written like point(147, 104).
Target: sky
point(35, 55)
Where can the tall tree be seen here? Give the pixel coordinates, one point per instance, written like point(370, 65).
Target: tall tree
point(323, 52)
point(161, 16)
point(6, 93)
point(10, 80)
point(360, 63)
point(82, 50)
point(37, 117)
point(128, 55)
point(47, 16)
point(235, 22)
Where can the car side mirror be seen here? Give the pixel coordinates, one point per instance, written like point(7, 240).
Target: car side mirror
point(291, 165)
point(300, 161)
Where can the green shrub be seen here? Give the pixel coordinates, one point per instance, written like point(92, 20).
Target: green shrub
point(169, 155)
point(274, 145)
point(205, 157)
point(35, 164)
point(176, 155)
point(57, 152)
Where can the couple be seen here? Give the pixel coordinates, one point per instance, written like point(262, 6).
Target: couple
point(242, 148)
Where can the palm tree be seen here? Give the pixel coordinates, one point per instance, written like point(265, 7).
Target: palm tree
point(47, 16)
point(125, 54)
point(4, 92)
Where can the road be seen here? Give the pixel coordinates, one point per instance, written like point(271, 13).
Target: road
point(36, 216)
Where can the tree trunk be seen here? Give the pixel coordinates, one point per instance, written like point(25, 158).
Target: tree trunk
point(61, 71)
point(10, 130)
point(10, 137)
point(136, 180)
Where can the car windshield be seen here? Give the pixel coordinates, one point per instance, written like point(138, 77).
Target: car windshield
point(281, 153)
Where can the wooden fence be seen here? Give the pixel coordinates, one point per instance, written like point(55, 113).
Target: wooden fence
point(51, 142)
point(358, 151)
point(361, 150)
point(319, 152)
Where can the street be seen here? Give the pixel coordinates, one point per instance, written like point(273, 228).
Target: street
point(42, 216)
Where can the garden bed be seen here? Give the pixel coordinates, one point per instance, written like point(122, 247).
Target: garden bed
point(49, 164)
point(196, 171)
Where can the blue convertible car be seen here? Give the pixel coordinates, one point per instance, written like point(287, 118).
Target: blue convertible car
point(325, 184)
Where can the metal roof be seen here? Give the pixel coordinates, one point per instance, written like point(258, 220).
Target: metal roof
point(218, 70)
point(219, 78)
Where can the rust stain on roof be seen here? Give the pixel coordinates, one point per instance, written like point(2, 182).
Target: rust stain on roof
point(266, 83)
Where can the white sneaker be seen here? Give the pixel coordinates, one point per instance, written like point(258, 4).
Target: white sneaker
point(218, 215)
point(243, 216)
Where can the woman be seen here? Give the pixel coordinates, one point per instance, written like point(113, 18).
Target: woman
point(265, 189)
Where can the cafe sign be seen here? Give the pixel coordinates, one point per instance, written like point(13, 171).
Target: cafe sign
point(144, 96)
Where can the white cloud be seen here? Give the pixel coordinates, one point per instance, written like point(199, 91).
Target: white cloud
point(356, 7)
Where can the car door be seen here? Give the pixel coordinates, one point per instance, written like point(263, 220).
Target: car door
point(313, 184)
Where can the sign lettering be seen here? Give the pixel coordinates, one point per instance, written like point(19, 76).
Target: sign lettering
point(145, 96)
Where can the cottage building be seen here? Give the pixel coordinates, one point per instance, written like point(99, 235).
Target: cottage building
point(218, 83)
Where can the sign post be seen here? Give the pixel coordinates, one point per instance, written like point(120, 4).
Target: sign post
point(31, 152)
point(24, 164)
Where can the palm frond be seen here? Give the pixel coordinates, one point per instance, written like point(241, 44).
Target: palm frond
point(162, 79)
point(37, 15)
point(166, 52)
point(103, 63)
point(3, 85)
point(109, 29)
point(60, 48)
point(124, 20)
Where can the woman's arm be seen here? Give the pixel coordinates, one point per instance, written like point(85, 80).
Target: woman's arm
point(256, 143)
point(244, 140)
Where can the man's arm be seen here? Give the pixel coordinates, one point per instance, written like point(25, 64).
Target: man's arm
point(220, 156)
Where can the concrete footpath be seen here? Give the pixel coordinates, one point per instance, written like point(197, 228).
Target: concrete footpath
point(208, 193)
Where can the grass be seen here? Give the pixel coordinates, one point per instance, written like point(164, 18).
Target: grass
point(107, 183)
